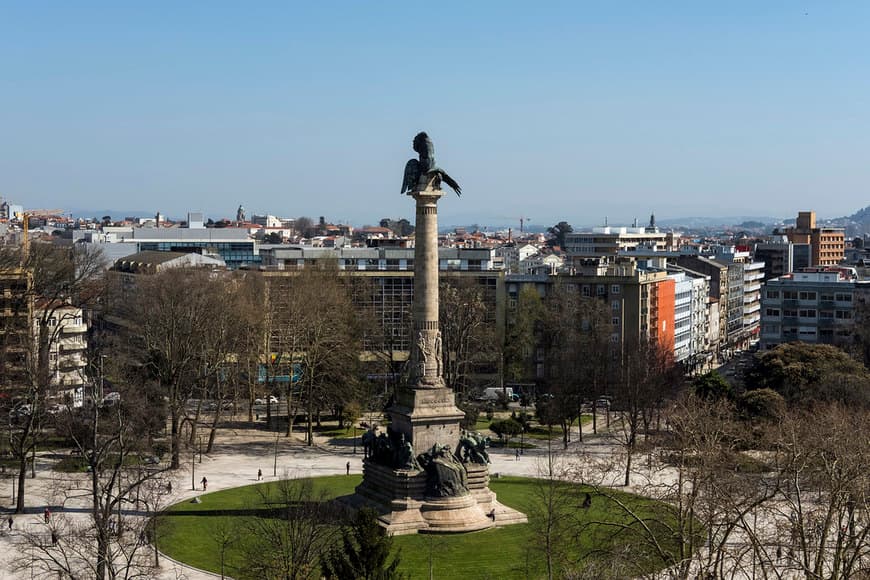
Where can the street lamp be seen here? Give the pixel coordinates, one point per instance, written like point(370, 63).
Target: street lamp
point(354, 439)
point(275, 464)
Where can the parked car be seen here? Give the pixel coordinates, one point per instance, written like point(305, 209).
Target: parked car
point(271, 400)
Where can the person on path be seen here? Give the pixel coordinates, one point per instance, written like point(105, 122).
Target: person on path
point(348, 467)
point(204, 483)
point(169, 486)
point(10, 521)
point(259, 474)
point(518, 455)
point(47, 515)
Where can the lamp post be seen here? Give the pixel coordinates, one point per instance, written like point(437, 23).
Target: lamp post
point(354, 439)
point(200, 448)
point(275, 464)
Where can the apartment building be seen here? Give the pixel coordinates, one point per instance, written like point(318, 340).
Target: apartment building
point(68, 344)
point(389, 277)
point(827, 244)
point(609, 241)
point(814, 305)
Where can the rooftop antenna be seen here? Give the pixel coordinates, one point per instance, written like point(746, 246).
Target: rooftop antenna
point(605, 221)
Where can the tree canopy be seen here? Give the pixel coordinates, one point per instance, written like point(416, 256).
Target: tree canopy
point(806, 373)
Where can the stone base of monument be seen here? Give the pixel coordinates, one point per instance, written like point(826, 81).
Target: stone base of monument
point(427, 416)
point(400, 497)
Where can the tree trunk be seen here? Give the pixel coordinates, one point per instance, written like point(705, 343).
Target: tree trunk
point(174, 441)
point(595, 417)
point(22, 477)
point(213, 430)
point(629, 451)
point(196, 418)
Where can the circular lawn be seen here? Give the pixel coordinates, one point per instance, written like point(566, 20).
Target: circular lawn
point(601, 534)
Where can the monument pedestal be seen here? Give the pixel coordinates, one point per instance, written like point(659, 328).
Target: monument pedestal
point(427, 417)
point(400, 498)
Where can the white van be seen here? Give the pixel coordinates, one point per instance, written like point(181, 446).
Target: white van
point(493, 394)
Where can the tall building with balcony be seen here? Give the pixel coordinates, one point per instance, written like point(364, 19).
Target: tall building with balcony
point(753, 278)
point(815, 305)
point(16, 312)
point(609, 241)
point(68, 344)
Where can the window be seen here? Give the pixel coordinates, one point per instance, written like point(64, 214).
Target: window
point(773, 293)
point(844, 315)
point(600, 290)
point(841, 297)
point(587, 292)
point(615, 321)
point(789, 294)
point(615, 305)
point(807, 313)
point(807, 295)
point(614, 289)
point(789, 312)
point(772, 312)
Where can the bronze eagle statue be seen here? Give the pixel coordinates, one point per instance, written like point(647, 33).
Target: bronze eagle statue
point(417, 168)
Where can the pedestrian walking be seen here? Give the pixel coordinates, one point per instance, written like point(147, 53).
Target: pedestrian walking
point(348, 467)
point(169, 487)
point(47, 515)
point(53, 538)
point(204, 483)
point(10, 521)
point(518, 455)
point(259, 474)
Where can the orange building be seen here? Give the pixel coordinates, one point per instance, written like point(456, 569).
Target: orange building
point(662, 306)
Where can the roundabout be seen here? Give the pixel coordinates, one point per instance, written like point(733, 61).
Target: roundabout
point(579, 530)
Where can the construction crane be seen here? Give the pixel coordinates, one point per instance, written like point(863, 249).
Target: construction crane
point(25, 218)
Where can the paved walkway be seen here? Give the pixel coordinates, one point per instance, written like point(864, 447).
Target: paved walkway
point(234, 462)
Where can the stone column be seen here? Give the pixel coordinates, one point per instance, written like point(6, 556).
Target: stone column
point(425, 409)
point(426, 347)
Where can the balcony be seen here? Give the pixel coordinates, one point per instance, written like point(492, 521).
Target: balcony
point(74, 328)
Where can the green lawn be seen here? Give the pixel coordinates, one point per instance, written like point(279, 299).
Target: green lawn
point(186, 532)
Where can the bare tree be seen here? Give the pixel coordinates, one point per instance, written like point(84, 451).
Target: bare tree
point(315, 338)
point(467, 329)
point(122, 486)
point(645, 376)
point(177, 326)
point(288, 543)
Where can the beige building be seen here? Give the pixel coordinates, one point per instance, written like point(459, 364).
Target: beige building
point(827, 245)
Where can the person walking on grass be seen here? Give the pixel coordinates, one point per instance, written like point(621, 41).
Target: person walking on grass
point(204, 483)
point(259, 474)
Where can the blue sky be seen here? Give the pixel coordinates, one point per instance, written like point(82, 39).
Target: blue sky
point(558, 110)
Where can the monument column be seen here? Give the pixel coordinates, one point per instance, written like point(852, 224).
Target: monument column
point(425, 411)
point(426, 347)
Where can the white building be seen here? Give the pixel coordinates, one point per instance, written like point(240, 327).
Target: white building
point(67, 347)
